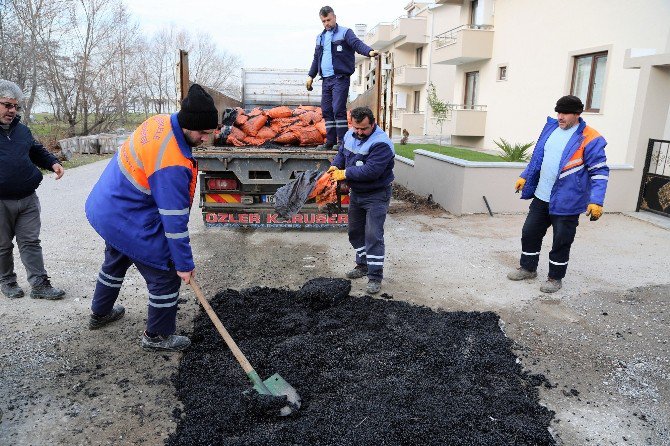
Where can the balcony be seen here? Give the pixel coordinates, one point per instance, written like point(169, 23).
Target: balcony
point(412, 122)
point(466, 120)
point(379, 37)
point(409, 32)
point(467, 43)
point(408, 75)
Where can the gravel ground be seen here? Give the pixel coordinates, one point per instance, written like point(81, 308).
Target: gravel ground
point(601, 341)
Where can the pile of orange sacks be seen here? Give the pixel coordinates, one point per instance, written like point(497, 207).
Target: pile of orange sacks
point(301, 126)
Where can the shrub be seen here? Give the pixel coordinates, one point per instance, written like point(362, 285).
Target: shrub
point(516, 152)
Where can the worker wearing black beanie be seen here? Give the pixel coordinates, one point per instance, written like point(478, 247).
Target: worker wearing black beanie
point(569, 104)
point(566, 175)
point(140, 207)
point(197, 110)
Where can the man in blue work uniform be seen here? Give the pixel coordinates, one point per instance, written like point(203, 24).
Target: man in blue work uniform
point(566, 176)
point(334, 62)
point(365, 160)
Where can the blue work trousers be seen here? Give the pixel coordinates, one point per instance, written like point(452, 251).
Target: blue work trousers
point(367, 214)
point(163, 289)
point(534, 230)
point(334, 94)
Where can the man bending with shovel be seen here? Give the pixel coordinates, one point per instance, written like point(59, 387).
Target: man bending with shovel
point(140, 207)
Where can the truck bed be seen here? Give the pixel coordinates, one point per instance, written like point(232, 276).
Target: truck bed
point(258, 173)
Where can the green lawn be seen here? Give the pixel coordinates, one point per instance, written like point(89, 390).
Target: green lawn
point(469, 155)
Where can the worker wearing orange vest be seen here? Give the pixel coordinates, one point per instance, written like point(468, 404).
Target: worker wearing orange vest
point(140, 206)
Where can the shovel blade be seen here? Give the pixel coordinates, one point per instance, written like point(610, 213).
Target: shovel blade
point(279, 387)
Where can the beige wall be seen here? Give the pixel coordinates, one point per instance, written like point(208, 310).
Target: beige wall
point(530, 38)
point(459, 185)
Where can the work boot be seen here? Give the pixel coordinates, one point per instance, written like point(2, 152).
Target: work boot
point(12, 290)
point(358, 272)
point(551, 285)
point(325, 146)
point(373, 286)
point(43, 290)
point(170, 343)
point(96, 321)
point(521, 274)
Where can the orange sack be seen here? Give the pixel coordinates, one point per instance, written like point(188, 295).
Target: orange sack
point(310, 136)
point(279, 112)
point(256, 112)
point(231, 140)
point(253, 125)
point(321, 127)
point(287, 137)
point(252, 141)
point(237, 133)
point(309, 118)
point(325, 190)
point(241, 117)
point(266, 133)
point(280, 124)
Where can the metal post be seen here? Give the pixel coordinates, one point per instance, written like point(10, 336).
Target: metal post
point(183, 74)
point(391, 101)
point(378, 84)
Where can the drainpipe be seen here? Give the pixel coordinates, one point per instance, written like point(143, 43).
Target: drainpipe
point(430, 65)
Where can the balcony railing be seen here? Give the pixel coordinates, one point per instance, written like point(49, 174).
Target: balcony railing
point(468, 107)
point(451, 37)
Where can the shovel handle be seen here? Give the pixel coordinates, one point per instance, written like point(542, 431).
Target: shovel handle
point(222, 330)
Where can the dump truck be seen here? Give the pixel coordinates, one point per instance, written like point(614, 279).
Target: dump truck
point(237, 184)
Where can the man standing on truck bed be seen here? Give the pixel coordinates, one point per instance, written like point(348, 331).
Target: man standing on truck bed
point(365, 160)
point(140, 206)
point(334, 62)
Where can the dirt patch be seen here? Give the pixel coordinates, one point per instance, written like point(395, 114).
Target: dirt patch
point(411, 202)
point(369, 371)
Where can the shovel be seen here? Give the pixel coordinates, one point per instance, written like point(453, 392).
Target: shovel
point(274, 385)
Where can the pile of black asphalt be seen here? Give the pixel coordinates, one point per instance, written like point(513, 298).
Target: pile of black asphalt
point(369, 371)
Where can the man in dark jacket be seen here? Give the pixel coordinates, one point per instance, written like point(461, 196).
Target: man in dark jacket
point(20, 157)
point(365, 159)
point(334, 62)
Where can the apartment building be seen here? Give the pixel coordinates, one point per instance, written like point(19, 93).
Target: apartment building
point(501, 65)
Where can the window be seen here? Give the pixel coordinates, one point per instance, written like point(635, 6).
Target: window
point(476, 13)
point(418, 60)
point(417, 101)
point(502, 73)
point(588, 76)
point(360, 74)
point(471, 81)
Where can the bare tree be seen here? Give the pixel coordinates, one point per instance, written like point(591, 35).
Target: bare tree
point(214, 67)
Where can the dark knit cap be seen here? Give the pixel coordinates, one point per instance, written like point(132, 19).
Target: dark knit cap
point(197, 110)
point(569, 104)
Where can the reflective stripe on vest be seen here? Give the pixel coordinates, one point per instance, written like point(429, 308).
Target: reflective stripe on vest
point(577, 158)
point(150, 148)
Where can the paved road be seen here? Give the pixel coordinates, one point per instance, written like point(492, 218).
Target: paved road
point(605, 334)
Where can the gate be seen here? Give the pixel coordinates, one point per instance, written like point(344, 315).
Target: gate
point(655, 187)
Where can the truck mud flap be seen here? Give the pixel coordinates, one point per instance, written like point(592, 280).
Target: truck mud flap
point(269, 219)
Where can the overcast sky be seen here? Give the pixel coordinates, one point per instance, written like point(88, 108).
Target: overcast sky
point(264, 33)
